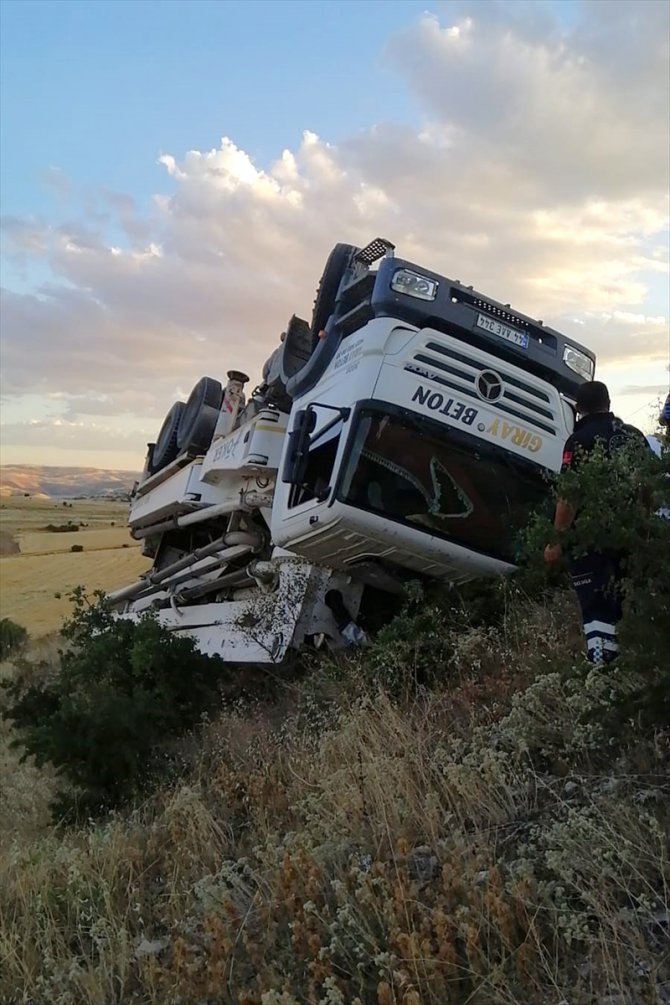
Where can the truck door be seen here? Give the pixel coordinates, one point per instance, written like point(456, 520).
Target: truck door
point(309, 465)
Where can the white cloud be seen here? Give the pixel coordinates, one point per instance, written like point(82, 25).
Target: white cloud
point(78, 434)
point(538, 171)
point(572, 114)
point(644, 389)
point(621, 339)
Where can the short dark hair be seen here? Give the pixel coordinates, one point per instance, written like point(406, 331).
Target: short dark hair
point(593, 397)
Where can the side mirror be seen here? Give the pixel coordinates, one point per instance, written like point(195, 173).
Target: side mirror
point(297, 454)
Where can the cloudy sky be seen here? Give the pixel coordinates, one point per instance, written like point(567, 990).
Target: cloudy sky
point(175, 173)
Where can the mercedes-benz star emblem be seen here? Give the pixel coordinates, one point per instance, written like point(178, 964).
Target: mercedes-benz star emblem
point(489, 385)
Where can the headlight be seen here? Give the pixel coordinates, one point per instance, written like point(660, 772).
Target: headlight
point(414, 285)
point(579, 362)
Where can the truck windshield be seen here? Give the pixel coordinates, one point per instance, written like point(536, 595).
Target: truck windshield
point(452, 484)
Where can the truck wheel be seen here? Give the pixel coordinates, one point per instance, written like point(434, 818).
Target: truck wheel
point(297, 347)
point(200, 415)
point(326, 295)
point(166, 448)
point(287, 360)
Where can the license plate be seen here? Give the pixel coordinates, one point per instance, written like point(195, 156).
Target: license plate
point(502, 331)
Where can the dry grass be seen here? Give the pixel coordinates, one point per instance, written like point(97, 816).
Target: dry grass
point(25, 791)
point(359, 852)
point(45, 567)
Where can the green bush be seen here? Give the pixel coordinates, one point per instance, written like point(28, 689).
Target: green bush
point(414, 650)
point(13, 638)
point(123, 692)
point(417, 647)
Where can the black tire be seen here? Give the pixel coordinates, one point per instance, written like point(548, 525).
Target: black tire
point(166, 448)
point(287, 360)
point(338, 261)
point(297, 348)
point(200, 415)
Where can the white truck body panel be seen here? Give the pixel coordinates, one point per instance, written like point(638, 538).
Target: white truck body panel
point(254, 447)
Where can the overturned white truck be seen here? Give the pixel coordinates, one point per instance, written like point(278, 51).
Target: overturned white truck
point(406, 432)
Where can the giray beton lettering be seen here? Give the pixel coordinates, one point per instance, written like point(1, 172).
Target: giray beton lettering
point(438, 402)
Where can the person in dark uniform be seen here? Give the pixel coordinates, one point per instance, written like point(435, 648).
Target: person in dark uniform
point(596, 575)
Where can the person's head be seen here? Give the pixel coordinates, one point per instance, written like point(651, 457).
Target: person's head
point(593, 397)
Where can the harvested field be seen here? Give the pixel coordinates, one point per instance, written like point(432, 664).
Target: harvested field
point(46, 566)
point(18, 514)
point(48, 543)
point(29, 582)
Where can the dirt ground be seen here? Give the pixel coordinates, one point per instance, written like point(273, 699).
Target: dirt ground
point(35, 582)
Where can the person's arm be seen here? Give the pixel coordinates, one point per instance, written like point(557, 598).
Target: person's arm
point(564, 515)
point(563, 518)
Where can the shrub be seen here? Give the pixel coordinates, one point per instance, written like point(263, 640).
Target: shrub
point(123, 692)
point(62, 528)
point(77, 547)
point(422, 645)
point(412, 651)
point(13, 638)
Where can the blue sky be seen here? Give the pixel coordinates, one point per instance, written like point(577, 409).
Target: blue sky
point(93, 91)
point(99, 89)
point(520, 143)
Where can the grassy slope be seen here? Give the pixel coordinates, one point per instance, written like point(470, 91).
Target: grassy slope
point(472, 843)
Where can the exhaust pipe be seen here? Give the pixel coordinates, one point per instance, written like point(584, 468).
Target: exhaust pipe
point(232, 545)
point(231, 542)
point(175, 522)
point(237, 578)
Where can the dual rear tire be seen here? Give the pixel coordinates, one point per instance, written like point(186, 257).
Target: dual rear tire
point(189, 427)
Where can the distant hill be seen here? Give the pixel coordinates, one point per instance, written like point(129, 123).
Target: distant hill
point(35, 480)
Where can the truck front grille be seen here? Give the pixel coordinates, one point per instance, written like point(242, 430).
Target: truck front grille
point(458, 371)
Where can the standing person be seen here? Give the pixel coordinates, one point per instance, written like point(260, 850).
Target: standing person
point(596, 575)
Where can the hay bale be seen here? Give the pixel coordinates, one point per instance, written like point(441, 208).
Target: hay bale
point(8, 545)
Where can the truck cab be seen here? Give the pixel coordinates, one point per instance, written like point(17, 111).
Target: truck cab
point(425, 426)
